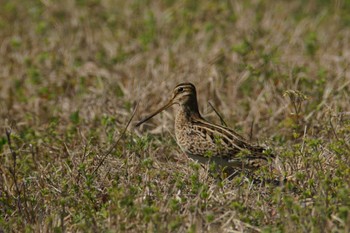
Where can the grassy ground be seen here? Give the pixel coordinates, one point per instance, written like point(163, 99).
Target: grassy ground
point(71, 75)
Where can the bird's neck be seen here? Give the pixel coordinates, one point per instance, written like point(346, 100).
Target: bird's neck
point(185, 114)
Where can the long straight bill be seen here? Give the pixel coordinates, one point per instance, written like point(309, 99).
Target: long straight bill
point(155, 113)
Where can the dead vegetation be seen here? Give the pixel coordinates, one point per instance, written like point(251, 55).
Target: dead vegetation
point(72, 73)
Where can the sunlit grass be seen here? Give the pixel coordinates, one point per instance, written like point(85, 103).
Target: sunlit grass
point(72, 72)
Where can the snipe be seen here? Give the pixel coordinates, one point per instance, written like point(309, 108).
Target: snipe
point(206, 142)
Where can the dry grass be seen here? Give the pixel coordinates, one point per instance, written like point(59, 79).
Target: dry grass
point(71, 75)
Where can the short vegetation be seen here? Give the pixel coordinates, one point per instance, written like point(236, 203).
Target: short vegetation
point(73, 72)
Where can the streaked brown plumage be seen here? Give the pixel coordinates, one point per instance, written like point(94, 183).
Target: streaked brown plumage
point(204, 141)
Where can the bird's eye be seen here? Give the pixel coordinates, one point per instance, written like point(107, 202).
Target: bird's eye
point(181, 89)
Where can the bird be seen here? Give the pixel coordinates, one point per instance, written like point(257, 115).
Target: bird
point(207, 142)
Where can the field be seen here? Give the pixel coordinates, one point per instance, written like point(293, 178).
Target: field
point(73, 72)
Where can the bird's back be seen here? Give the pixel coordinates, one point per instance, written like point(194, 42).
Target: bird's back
point(204, 141)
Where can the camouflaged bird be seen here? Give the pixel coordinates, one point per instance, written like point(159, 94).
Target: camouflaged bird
point(207, 142)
